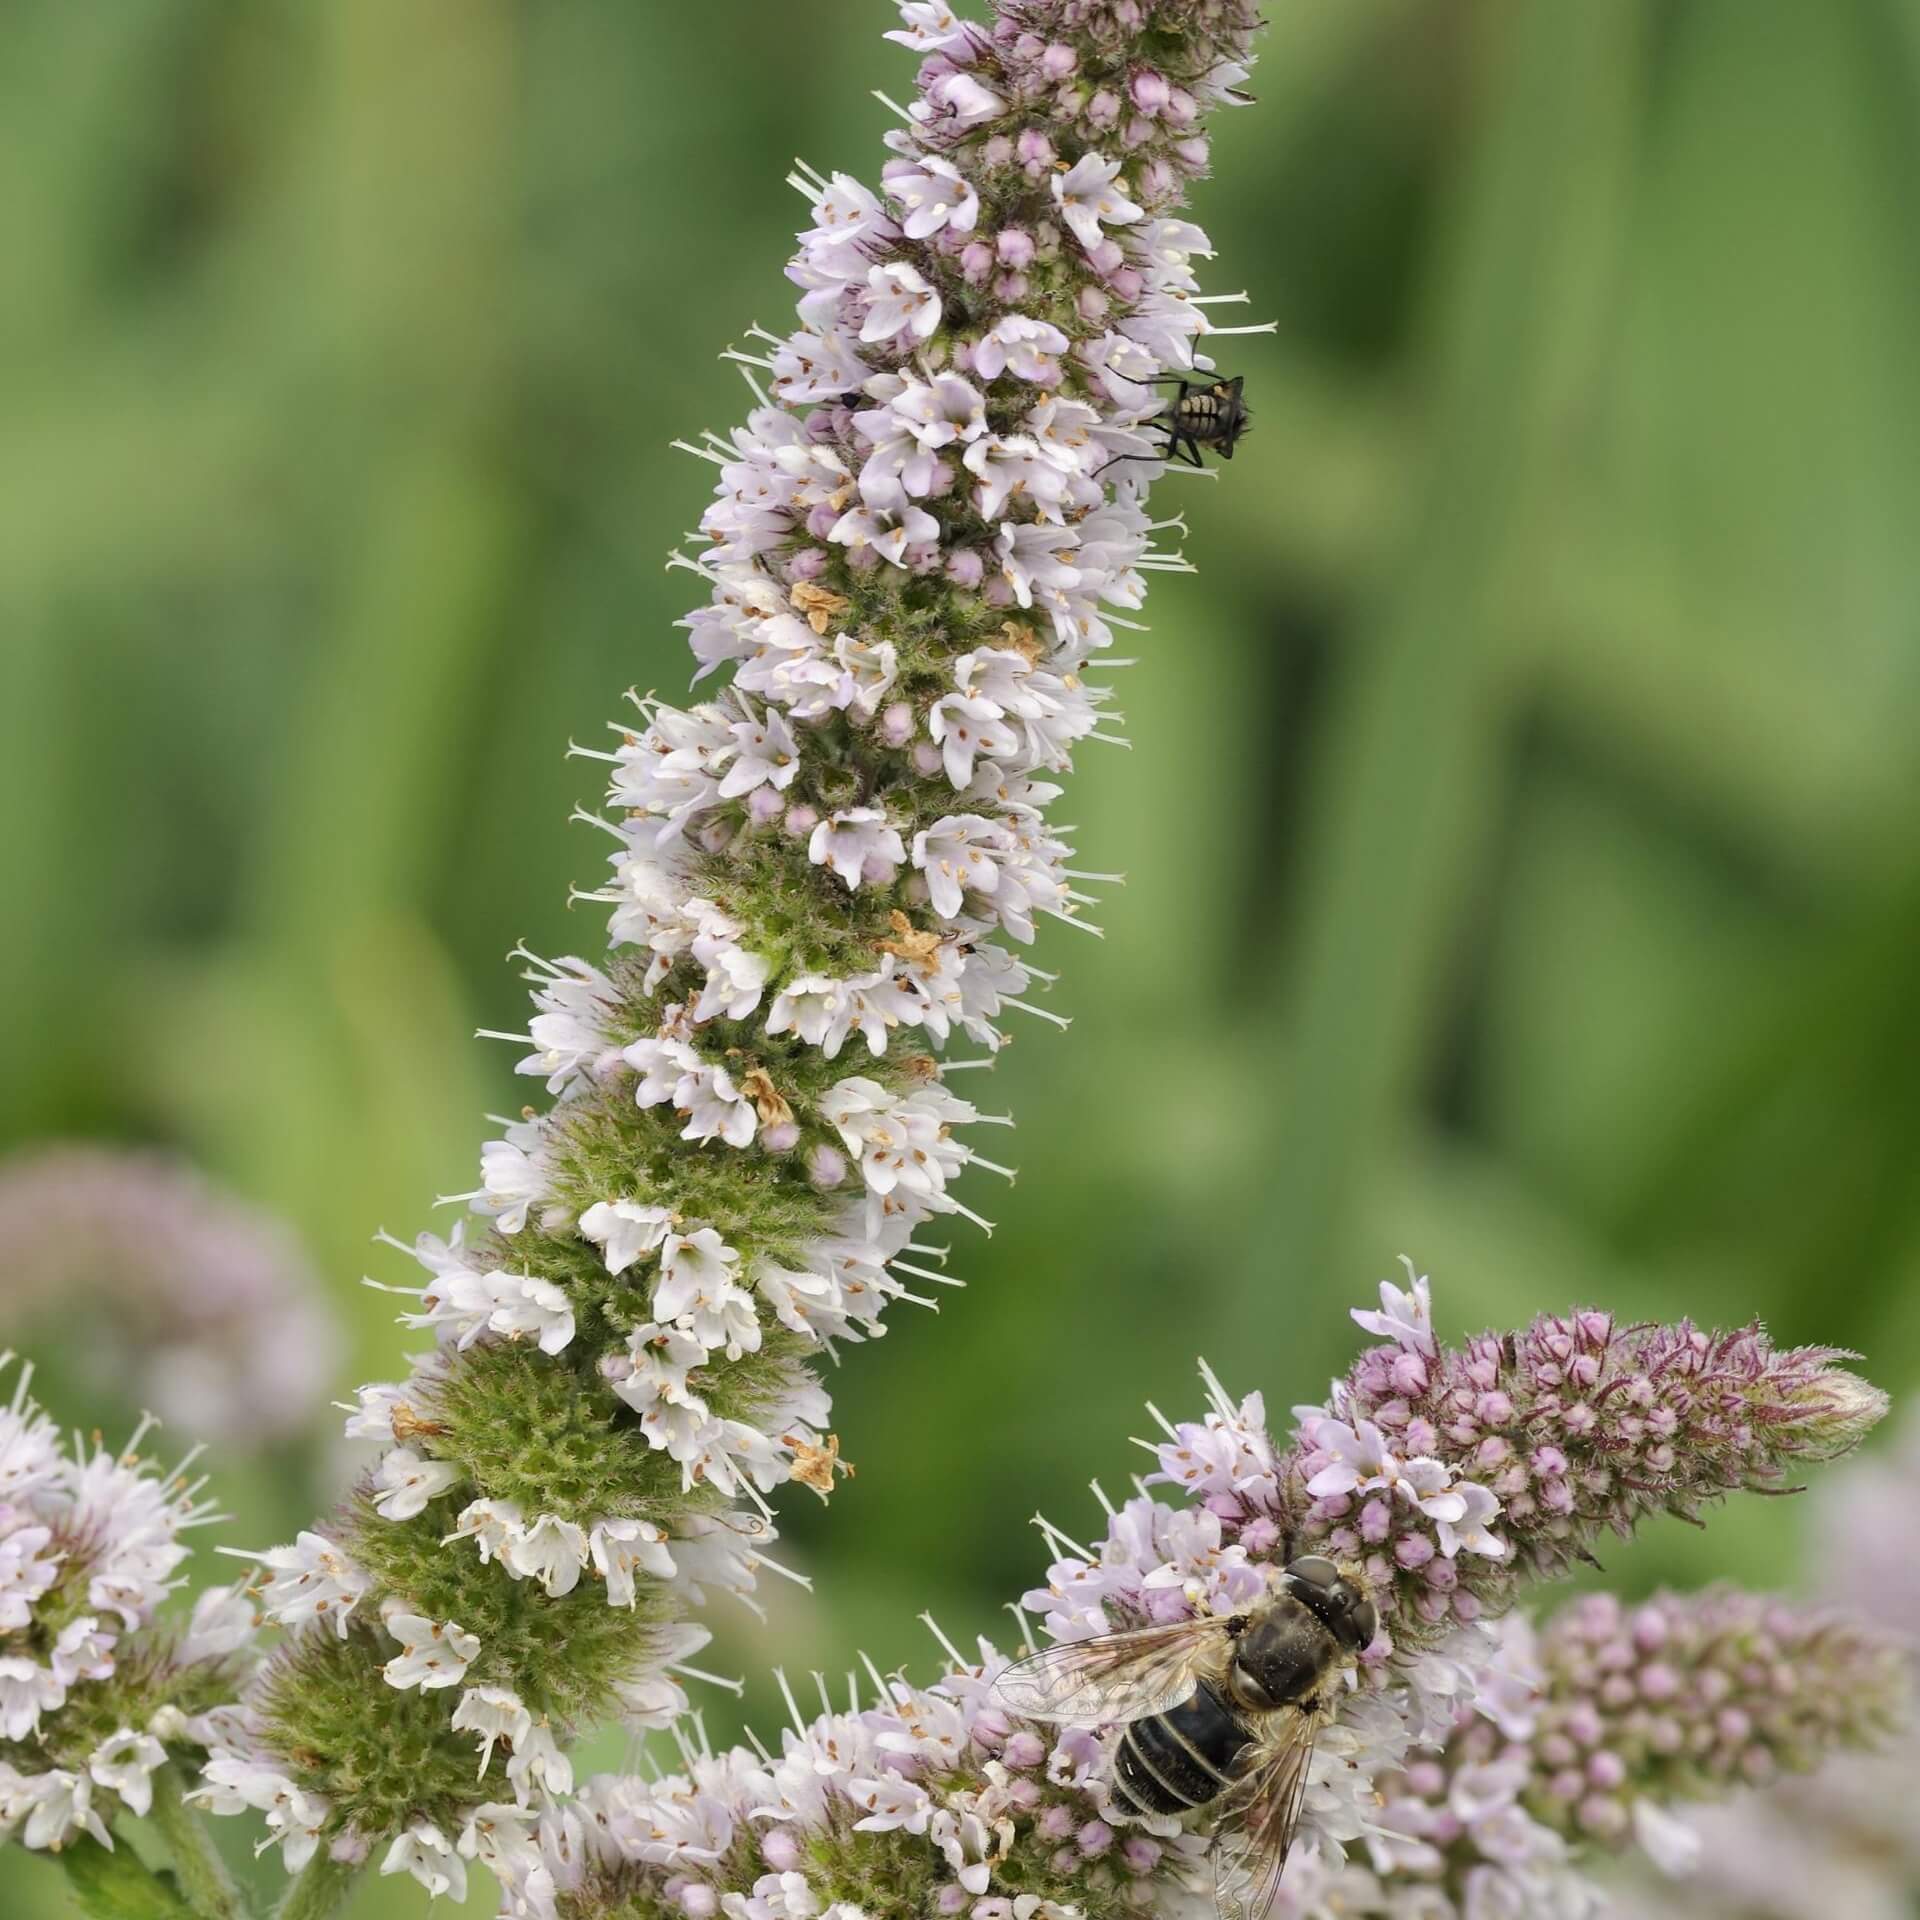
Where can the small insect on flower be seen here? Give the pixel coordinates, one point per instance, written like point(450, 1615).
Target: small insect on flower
point(1207, 413)
point(1222, 1712)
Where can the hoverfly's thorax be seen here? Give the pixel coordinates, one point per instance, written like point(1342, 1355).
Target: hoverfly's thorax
point(1285, 1655)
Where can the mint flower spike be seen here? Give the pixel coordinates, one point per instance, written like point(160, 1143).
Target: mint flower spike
point(1600, 1733)
point(922, 540)
point(1461, 1781)
point(95, 1696)
point(1847, 1840)
point(1572, 1429)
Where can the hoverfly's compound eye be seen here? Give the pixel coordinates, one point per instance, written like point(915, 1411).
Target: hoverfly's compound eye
point(1315, 1569)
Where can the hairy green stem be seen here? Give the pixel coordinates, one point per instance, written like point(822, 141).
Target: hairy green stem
point(202, 1874)
point(321, 1889)
point(116, 1884)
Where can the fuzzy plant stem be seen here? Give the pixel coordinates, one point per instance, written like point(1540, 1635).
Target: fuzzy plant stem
point(116, 1884)
point(319, 1890)
point(921, 547)
point(203, 1876)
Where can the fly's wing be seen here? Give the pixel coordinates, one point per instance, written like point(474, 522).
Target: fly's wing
point(1119, 1676)
point(1258, 1816)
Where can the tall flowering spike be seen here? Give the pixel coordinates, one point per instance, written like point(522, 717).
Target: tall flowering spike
point(1458, 1475)
point(936, 1801)
point(921, 540)
point(95, 1696)
point(206, 1310)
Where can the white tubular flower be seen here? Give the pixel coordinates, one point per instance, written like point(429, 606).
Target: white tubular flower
point(494, 1526)
point(407, 1483)
point(622, 1548)
point(625, 1229)
point(552, 1551)
point(495, 1714)
point(433, 1653)
point(313, 1581)
point(124, 1764)
point(425, 1852)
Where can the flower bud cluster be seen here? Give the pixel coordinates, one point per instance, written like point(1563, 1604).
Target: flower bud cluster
point(206, 1310)
point(1847, 1839)
point(927, 532)
point(1456, 1476)
point(1592, 1731)
point(93, 1694)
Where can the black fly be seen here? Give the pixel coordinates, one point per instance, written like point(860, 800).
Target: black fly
point(1203, 414)
point(1206, 413)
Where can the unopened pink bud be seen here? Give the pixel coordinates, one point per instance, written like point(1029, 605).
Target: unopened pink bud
point(782, 1137)
point(826, 1168)
point(1058, 61)
point(801, 820)
point(1150, 90)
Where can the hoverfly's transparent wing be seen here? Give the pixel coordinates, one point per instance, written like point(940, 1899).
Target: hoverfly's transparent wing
point(1119, 1676)
point(1258, 1816)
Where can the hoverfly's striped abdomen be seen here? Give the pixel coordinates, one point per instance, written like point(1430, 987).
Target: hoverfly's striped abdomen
point(1180, 1759)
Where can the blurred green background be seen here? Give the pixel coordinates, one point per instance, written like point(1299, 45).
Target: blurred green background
point(1521, 812)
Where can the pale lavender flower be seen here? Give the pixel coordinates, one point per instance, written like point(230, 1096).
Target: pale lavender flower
point(205, 1309)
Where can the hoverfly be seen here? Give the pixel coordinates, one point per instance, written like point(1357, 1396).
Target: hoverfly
point(1221, 1712)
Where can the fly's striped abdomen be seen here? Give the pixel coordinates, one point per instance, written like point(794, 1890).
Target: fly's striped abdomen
point(1174, 1761)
